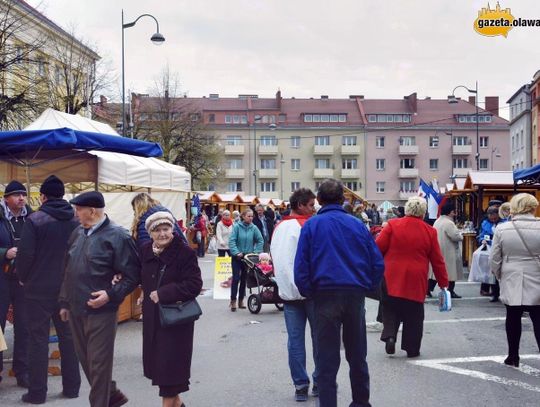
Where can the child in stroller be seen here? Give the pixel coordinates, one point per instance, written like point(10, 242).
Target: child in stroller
point(265, 266)
point(260, 275)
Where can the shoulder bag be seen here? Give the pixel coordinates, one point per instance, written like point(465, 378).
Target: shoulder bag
point(525, 243)
point(179, 313)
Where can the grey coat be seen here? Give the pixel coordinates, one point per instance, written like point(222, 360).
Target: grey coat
point(449, 238)
point(517, 272)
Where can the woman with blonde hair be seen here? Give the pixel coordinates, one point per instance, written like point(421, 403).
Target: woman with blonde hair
point(223, 231)
point(515, 261)
point(408, 245)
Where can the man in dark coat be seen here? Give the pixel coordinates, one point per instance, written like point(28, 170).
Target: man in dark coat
point(40, 267)
point(265, 225)
point(13, 213)
point(98, 250)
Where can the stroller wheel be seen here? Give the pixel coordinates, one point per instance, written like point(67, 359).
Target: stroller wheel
point(279, 306)
point(254, 303)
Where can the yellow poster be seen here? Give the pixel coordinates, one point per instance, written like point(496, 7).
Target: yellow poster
point(222, 278)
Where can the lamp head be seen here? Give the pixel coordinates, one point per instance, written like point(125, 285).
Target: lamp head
point(272, 126)
point(452, 100)
point(157, 38)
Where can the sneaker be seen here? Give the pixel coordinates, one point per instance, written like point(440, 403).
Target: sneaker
point(301, 394)
point(315, 390)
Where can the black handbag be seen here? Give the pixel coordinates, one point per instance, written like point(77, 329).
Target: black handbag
point(179, 313)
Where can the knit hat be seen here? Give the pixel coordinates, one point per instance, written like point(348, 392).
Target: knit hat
point(92, 199)
point(264, 256)
point(53, 186)
point(15, 187)
point(158, 218)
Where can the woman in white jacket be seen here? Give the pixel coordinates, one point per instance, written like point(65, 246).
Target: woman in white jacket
point(223, 231)
point(515, 261)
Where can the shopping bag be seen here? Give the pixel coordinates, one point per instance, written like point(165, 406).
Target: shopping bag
point(480, 268)
point(212, 245)
point(3, 345)
point(445, 300)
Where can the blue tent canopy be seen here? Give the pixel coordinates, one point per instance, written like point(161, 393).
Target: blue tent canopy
point(16, 142)
point(529, 175)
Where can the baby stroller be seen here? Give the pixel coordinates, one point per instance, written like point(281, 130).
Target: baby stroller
point(267, 290)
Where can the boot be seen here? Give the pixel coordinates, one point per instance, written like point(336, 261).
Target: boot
point(232, 305)
point(451, 287)
point(431, 286)
point(241, 304)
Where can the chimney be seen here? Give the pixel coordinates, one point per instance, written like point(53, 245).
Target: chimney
point(412, 101)
point(324, 97)
point(278, 99)
point(492, 105)
point(214, 96)
point(166, 93)
point(356, 96)
point(472, 100)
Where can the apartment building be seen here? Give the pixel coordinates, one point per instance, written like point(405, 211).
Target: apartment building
point(520, 105)
point(535, 118)
point(378, 148)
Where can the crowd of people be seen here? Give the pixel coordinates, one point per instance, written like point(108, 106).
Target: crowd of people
point(70, 264)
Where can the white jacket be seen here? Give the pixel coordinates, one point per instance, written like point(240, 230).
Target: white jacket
point(283, 251)
point(222, 235)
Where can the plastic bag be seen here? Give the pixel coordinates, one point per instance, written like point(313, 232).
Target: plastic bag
point(445, 300)
point(480, 269)
point(212, 245)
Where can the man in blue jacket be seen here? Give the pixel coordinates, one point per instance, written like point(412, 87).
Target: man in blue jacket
point(337, 261)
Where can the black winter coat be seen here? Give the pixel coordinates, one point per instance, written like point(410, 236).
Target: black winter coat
point(269, 225)
point(43, 246)
point(167, 351)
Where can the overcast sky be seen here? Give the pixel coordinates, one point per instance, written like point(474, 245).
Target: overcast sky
point(381, 49)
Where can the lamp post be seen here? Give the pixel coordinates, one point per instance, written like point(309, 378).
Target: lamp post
point(157, 38)
point(281, 162)
point(256, 118)
point(452, 100)
point(495, 150)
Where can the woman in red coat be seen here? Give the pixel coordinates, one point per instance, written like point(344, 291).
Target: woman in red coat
point(167, 351)
point(408, 245)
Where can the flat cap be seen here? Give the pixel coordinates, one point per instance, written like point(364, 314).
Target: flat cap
point(15, 187)
point(92, 199)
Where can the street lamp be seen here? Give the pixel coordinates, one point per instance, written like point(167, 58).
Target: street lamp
point(495, 150)
point(256, 119)
point(282, 162)
point(157, 38)
point(452, 100)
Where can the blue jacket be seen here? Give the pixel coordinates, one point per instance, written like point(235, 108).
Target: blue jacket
point(142, 234)
point(336, 251)
point(245, 239)
point(487, 228)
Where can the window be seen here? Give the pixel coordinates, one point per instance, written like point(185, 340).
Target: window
point(295, 185)
point(57, 74)
point(228, 119)
point(295, 164)
point(406, 163)
point(316, 118)
point(407, 186)
point(282, 117)
point(372, 118)
point(234, 187)
point(459, 163)
point(194, 117)
point(379, 142)
point(349, 140)
point(342, 118)
point(243, 119)
point(433, 164)
point(295, 142)
point(483, 163)
point(41, 67)
point(268, 141)
point(322, 163)
point(406, 118)
point(349, 164)
point(236, 119)
point(434, 142)
point(380, 164)
point(398, 118)
point(461, 141)
point(269, 186)
point(381, 118)
point(488, 119)
point(325, 118)
point(268, 164)
point(235, 164)
point(352, 185)
point(407, 141)
point(234, 140)
point(334, 118)
point(211, 118)
point(322, 140)
point(380, 185)
point(484, 142)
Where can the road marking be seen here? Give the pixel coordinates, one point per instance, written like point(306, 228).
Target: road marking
point(458, 299)
point(444, 365)
point(456, 320)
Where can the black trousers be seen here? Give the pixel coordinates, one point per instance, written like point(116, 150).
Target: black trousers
point(411, 314)
point(11, 292)
point(40, 313)
point(222, 252)
point(513, 325)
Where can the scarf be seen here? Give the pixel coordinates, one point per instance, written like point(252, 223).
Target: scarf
point(157, 249)
point(227, 222)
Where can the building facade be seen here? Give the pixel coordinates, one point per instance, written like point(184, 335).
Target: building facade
point(379, 148)
point(535, 117)
point(520, 105)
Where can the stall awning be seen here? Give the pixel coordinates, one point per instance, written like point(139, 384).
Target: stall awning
point(529, 175)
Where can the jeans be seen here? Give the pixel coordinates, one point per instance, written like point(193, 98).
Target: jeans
point(297, 313)
point(11, 292)
point(40, 313)
point(335, 309)
point(239, 278)
point(222, 252)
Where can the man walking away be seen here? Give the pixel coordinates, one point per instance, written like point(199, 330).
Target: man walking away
point(98, 250)
point(40, 267)
point(337, 261)
point(265, 225)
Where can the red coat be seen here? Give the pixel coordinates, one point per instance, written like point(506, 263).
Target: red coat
point(408, 245)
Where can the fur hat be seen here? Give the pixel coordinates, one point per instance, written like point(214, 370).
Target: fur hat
point(15, 187)
point(158, 218)
point(53, 186)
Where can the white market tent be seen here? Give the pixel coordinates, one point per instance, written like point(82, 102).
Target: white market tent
point(166, 182)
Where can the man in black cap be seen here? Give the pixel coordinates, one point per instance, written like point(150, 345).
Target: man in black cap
point(98, 250)
point(13, 213)
point(40, 267)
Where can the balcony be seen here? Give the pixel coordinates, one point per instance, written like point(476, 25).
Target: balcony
point(461, 172)
point(408, 150)
point(350, 150)
point(268, 173)
point(323, 173)
point(237, 173)
point(350, 173)
point(404, 195)
point(323, 150)
point(408, 172)
point(462, 150)
point(234, 149)
point(268, 150)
